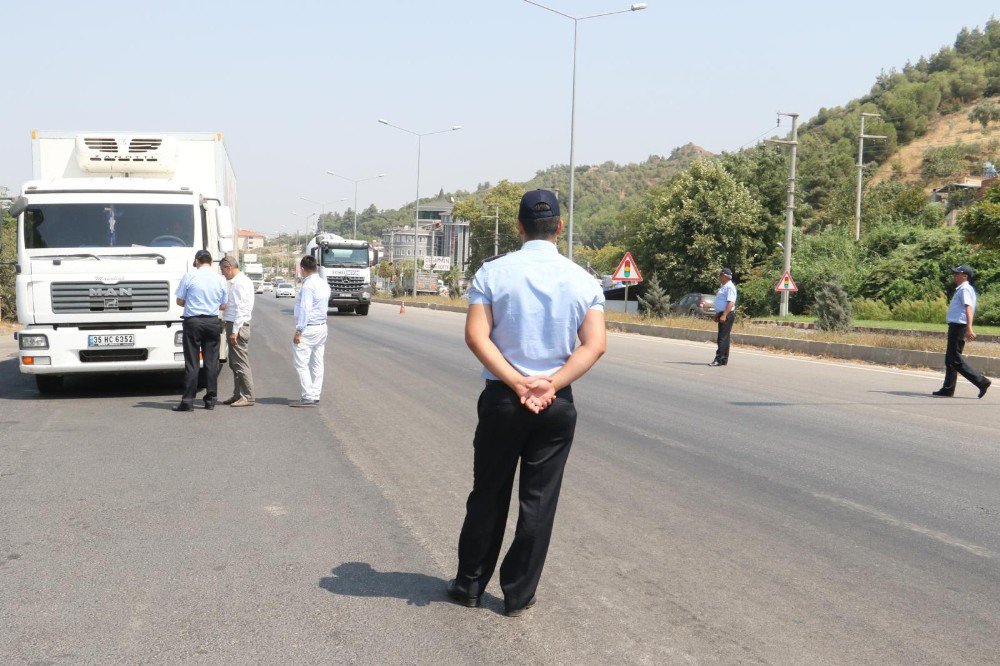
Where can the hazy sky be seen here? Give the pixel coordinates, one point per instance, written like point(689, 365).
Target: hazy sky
point(297, 87)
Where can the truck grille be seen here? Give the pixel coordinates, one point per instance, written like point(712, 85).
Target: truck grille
point(113, 355)
point(81, 297)
point(345, 283)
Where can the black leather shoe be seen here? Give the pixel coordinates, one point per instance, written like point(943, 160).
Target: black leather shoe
point(460, 597)
point(514, 612)
point(984, 388)
point(715, 364)
point(229, 401)
point(944, 393)
point(209, 405)
point(183, 407)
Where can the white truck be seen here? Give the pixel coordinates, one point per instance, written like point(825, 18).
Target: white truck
point(254, 271)
point(105, 231)
point(346, 267)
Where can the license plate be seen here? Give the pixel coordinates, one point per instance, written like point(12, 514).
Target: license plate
point(117, 340)
point(345, 295)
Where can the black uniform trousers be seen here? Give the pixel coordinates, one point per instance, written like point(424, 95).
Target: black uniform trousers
point(201, 335)
point(508, 434)
point(954, 363)
point(722, 350)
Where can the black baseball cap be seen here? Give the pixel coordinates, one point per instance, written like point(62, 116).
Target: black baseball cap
point(727, 272)
point(202, 256)
point(538, 205)
point(964, 269)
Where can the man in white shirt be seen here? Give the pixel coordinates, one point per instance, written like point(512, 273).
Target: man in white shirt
point(961, 312)
point(310, 332)
point(725, 303)
point(239, 308)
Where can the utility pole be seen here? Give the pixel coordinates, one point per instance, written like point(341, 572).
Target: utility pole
point(790, 205)
point(861, 169)
point(496, 232)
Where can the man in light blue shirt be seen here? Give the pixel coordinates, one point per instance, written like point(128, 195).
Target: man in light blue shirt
point(961, 312)
point(203, 296)
point(725, 303)
point(309, 342)
point(526, 311)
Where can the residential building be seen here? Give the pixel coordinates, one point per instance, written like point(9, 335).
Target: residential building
point(439, 235)
point(250, 240)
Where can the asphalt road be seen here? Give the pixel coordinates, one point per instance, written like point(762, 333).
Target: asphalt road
point(779, 510)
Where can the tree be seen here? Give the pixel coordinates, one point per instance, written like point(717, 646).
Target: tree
point(453, 280)
point(833, 308)
point(985, 113)
point(482, 219)
point(981, 221)
point(602, 260)
point(703, 221)
point(8, 246)
point(385, 270)
point(656, 301)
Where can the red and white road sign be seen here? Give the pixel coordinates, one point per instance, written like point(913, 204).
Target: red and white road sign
point(627, 271)
point(786, 283)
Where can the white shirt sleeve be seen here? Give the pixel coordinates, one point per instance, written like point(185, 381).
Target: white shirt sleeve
point(243, 297)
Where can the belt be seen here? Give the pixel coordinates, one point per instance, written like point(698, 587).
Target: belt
point(201, 317)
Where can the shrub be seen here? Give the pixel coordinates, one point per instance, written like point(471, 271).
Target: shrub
point(988, 309)
point(757, 297)
point(871, 310)
point(656, 301)
point(924, 311)
point(833, 309)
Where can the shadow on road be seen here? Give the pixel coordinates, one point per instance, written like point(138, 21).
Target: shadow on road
point(703, 364)
point(358, 579)
point(927, 395)
point(15, 386)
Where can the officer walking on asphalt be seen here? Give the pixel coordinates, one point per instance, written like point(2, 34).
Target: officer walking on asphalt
point(239, 308)
point(310, 332)
point(526, 310)
point(725, 303)
point(202, 294)
point(960, 314)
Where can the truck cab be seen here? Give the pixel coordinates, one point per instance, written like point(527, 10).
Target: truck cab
point(346, 267)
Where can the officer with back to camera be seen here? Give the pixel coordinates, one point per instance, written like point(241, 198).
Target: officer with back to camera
point(203, 295)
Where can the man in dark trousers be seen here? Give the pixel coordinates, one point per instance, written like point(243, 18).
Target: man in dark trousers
point(202, 294)
point(961, 312)
point(526, 310)
point(725, 303)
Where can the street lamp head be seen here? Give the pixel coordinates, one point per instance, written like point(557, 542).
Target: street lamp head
point(383, 121)
point(381, 175)
point(636, 6)
point(455, 127)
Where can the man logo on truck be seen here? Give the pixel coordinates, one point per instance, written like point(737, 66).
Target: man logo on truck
point(110, 291)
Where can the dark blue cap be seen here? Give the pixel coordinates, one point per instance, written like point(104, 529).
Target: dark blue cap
point(727, 272)
point(538, 205)
point(964, 269)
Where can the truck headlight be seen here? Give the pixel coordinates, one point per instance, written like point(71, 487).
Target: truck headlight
point(366, 295)
point(179, 338)
point(33, 341)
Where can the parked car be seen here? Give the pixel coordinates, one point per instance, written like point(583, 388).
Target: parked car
point(694, 305)
point(268, 287)
point(285, 289)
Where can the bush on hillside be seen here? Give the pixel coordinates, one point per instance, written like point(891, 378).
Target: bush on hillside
point(926, 311)
point(868, 309)
point(833, 308)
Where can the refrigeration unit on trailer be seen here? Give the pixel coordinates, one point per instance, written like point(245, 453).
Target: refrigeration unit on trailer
point(105, 231)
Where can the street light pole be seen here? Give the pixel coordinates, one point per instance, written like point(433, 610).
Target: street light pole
point(572, 116)
point(416, 212)
point(352, 180)
point(790, 205)
point(322, 206)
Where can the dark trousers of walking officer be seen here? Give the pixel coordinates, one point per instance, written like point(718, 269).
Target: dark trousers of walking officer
point(506, 432)
point(954, 363)
point(201, 336)
point(725, 328)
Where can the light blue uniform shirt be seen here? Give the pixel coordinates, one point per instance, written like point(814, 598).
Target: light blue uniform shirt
point(312, 304)
point(726, 293)
point(965, 294)
point(204, 291)
point(539, 299)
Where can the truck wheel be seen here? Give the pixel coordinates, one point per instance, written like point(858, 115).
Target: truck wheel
point(49, 383)
point(362, 310)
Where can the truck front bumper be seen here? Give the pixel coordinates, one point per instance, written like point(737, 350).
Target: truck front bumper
point(345, 299)
point(69, 353)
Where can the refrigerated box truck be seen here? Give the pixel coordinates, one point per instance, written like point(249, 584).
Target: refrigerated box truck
point(105, 231)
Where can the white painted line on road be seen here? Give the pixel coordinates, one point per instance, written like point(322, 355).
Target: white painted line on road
point(276, 510)
point(912, 527)
point(846, 363)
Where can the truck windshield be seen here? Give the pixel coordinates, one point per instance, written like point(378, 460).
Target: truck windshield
point(76, 225)
point(345, 256)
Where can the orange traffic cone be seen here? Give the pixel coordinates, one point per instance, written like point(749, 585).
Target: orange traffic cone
point(402, 307)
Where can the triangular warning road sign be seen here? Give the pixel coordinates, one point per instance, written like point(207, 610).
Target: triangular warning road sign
point(786, 283)
point(627, 271)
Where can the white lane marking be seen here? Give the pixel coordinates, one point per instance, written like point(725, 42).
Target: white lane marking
point(276, 510)
point(845, 363)
point(912, 527)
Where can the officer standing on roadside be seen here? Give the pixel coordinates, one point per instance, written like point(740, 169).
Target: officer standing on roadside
point(239, 309)
point(202, 294)
point(526, 310)
point(960, 315)
point(309, 342)
point(725, 303)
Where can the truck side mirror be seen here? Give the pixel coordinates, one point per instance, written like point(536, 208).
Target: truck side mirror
point(224, 226)
point(18, 206)
point(374, 257)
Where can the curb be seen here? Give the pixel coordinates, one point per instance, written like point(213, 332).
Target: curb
point(809, 326)
point(911, 358)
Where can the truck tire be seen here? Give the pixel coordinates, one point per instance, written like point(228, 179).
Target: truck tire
point(49, 383)
point(362, 310)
